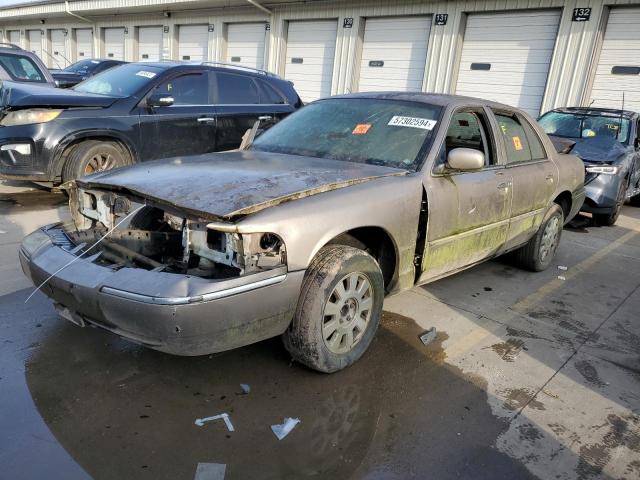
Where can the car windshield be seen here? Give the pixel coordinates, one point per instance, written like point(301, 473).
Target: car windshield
point(578, 125)
point(21, 68)
point(122, 81)
point(363, 130)
point(82, 67)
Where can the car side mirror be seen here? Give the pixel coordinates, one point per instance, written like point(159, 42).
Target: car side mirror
point(465, 159)
point(160, 100)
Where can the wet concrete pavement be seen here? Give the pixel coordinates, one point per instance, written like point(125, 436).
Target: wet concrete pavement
point(530, 376)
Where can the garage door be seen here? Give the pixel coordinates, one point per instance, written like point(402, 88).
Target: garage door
point(506, 57)
point(394, 53)
point(58, 49)
point(13, 36)
point(245, 44)
point(193, 42)
point(34, 39)
point(114, 43)
point(84, 43)
point(150, 43)
point(311, 47)
point(618, 69)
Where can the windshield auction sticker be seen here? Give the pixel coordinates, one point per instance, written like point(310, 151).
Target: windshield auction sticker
point(361, 129)
point(143, 73)
point(413, 122)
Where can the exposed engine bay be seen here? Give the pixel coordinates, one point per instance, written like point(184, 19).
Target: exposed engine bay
point(120, 230)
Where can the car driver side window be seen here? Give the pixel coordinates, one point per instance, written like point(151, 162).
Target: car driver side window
point(468, 129)
point(191, 89)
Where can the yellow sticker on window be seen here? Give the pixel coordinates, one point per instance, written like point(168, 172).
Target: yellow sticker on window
point(361, 129)
point(612, 126)
point(504, 129)
point(517, 144)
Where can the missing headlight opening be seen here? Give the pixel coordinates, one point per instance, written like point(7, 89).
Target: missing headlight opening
point(155, 239)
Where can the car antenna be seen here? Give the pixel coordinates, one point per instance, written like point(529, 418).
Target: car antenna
point(621, 113)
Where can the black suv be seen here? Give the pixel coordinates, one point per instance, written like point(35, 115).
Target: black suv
point(18, 65)
point(79, 71)
point(133, 113)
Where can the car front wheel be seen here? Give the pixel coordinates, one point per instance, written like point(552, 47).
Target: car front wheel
point(539, 252)
point(338, 311)
point(609, 219)
point(94, 156)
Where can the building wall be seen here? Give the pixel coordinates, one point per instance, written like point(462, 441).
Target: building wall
point(570, 76)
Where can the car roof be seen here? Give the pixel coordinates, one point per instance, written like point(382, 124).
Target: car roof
point(596, 111)
point(221, 66)
point(440, 99)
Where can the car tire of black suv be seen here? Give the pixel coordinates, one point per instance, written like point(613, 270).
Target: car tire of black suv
point(343, 289)
point(92, 156)
point(530, 256)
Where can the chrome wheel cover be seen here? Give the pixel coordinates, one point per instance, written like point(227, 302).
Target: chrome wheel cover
point(99, 163)
point(347, 313)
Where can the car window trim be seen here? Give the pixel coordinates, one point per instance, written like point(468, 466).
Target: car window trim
point(486, 168)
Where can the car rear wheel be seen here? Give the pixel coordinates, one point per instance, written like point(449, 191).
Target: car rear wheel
point(538, 253)
point(94, 156)
point(338, 311)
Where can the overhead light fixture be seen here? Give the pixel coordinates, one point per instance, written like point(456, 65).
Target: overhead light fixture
point(167, 14)
point(42, 21)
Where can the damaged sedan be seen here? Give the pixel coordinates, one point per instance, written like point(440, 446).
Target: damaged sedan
point(306, 230)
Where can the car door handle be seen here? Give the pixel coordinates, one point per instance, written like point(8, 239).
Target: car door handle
point(206, 120)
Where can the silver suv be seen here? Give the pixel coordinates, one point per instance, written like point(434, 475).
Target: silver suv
point(19, 65)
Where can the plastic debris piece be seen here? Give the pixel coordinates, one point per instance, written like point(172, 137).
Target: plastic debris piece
point(560, 277)
point(2, 232)
point(210, 471)
point(562, 267)
point(223, 416)
point(282, 430)
point(428, 336)
point(245, 388)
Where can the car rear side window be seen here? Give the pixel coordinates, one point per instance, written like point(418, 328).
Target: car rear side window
point(270, 95)
point(537, 149)
point(21, 68)
point(236, 90)
point(191, 89)
point(515, 138)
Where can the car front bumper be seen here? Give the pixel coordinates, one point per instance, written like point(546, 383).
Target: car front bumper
point(602, 193)
point(173, 313)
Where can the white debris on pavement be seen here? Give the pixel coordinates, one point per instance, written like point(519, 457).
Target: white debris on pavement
point(562, 267)
point(210, 471)
point(560, 277)
point(245, 388)
point(2, 232)
point(285, 428)
point(223, 416)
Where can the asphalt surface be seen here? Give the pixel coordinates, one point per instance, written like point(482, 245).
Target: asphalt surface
point(530, 376)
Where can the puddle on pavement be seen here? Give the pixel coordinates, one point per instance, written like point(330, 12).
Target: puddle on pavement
point(123, 411)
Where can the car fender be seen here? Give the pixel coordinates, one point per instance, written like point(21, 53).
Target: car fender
point(58, 158)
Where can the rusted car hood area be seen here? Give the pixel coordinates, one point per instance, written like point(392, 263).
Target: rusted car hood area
point(230, 184)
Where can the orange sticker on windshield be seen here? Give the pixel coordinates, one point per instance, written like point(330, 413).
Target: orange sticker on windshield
point(517, 144)
point(361, 129)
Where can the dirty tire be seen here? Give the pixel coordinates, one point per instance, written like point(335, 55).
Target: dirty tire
point(333, 265)
point(94, 156)
point(531, 256)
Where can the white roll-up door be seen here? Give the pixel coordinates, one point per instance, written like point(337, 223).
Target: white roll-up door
point(114, 43)
point(34, 39)
point(58, 49)
point(311, 48)
point(84, 43)
point(618, 68)
point(14, 36)
point(506, 57)
point(193, 42)
point(150, 43)
point(245, 44)
point(394, 53)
